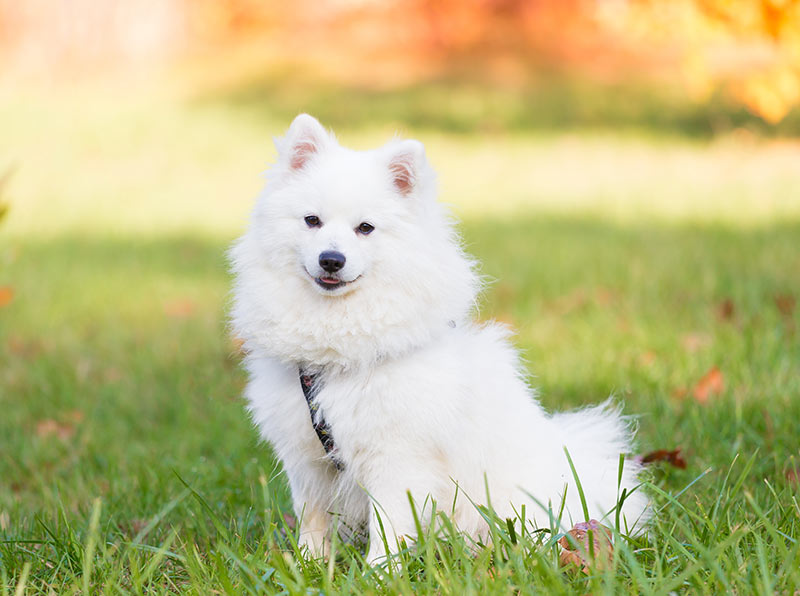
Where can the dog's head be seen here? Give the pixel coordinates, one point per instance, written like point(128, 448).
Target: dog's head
point(348, 246)
point(342, 212)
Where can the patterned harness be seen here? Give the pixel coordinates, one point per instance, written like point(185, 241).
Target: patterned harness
point(311, 387)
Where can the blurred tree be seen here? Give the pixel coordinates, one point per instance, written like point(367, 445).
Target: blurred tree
point(750, 48)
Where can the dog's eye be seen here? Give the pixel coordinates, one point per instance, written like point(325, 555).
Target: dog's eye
point(312, 221)
point(365, 228)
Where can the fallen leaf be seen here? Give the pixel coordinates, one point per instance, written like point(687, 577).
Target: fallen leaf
point(575, 545)
point(179, 309)
point(712, 383)
point(673, 457)
point(785, 304)
point(793, 476)
point(725, 309)
point(48, 427)
point(692, 342)
point(6, 295)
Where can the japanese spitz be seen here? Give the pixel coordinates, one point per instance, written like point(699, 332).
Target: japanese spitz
point(353, 298)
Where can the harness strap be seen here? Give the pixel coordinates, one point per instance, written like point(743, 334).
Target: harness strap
point(311, 386)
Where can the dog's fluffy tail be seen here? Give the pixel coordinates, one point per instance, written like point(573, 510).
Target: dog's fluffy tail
point(595, 437)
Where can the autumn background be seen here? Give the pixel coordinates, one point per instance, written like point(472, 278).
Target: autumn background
point(628, 172)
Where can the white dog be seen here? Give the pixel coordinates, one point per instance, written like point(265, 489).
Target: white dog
point(367, 375)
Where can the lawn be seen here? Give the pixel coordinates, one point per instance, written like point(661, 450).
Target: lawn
point(635, 264)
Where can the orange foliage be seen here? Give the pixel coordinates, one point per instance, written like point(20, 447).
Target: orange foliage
point(751, 48)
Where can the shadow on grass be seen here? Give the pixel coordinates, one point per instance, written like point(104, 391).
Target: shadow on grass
point(466, 104)
point(581, 293)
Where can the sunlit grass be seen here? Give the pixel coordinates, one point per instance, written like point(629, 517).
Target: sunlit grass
point(613, 256)
point(162, 165)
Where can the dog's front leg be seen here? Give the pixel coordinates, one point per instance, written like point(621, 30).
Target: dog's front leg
point(315, 527)
point(392, 517)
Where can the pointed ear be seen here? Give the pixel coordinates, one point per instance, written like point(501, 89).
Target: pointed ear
point(306, 138)
point(407, 165)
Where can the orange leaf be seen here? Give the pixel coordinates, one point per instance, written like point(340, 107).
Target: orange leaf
point(6, 295)
point(712, 383)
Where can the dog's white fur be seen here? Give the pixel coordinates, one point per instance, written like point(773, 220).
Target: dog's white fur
point(418, 397)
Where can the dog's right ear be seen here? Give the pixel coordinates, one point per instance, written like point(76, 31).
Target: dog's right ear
point(305, 139)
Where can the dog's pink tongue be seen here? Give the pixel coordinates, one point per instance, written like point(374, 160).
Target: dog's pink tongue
point(329, 280)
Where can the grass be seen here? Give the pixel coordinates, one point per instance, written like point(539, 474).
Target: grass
point(127, 463)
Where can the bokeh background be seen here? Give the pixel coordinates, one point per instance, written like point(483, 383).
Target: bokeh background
point(151, 115)
point(628, 171)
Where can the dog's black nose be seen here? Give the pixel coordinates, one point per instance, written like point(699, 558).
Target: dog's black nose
point(331, 260)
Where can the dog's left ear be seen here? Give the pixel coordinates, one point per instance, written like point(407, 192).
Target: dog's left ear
point(408, 166)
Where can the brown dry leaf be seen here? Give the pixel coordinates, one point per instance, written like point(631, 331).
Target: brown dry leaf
point(692, 342)
point(48, 427)
point(576, 552)
point(673, 457)
point(793, 476)
point(712, 383)
point(785, 304)
point(725, 309)
point(6, 295)
point(179, 309)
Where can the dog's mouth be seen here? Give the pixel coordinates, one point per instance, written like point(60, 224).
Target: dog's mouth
point(330, 283)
